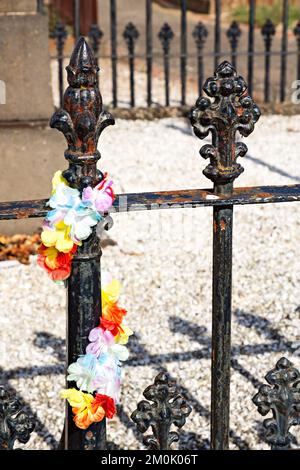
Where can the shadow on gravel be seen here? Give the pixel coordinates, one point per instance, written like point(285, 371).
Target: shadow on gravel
point(140, 356)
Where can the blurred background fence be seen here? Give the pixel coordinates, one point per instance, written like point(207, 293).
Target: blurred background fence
point(156, 52)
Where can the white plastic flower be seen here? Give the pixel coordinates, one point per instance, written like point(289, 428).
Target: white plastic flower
point(84, 371)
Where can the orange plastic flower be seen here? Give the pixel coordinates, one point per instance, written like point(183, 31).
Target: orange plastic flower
point(56, 263)
point(93, 413)
point(112, 312)
point(86, 408)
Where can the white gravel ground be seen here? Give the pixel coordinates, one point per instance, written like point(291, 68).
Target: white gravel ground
point(163, 259)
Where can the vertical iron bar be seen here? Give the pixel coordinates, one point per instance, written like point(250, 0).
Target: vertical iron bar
point(167, 78)
point(84, 310)
point(221, 325)
point(60, 34)
point(60, 77)
point(200, 34)
point(130, 35)
point(221, 317)
point(297, 35)
point(165, 36)
point(95, 35)
point(268, 31)
point(113, 35)
point(284, 46)
point(230, 110)
point(233, 33)
point(76, 12)
point(217, 32)
point(149, 50)
point(200, 69)
point(251, 44)
point(183, 46)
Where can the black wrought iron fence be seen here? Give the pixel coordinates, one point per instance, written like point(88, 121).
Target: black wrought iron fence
point(226, 110)
point(287, 49)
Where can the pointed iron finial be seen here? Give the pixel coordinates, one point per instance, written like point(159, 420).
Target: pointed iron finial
point(231, 110)
point(282, 398)
point(15, 424)
point(163, 407)
point(81, 118)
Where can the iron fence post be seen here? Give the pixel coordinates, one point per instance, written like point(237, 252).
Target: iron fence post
point(232, 110)
point(165, 36)
point(268, 31)
point(76, 13)
point(60, 35)
point(200, 34)
point(149, 49)
point(297, 35)
point(95, 35)
point(251, 22)
point(130, 35)
point(284, 48)
point(82, 120)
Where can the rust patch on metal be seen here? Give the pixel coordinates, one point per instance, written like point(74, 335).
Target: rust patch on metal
point(223, 225)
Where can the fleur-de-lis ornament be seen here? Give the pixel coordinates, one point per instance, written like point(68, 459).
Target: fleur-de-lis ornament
point(268, 31)
point(200, 34)
point(282, 398)
point(130, 35)
point(165, 406)
point(15, 424)
point(231, 110)
point(82, 118)
point(95, 36)
point(165, 36)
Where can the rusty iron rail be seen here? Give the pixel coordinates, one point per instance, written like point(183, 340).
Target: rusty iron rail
point(187, 198)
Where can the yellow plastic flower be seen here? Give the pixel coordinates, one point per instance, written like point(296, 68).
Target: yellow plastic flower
point(86, 408)
point(77, 399)
point(58, 179)
point(58, 238)
point(111, 292)
point(123, 335)
point(50, 257)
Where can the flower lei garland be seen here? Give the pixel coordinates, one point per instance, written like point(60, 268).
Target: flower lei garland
point(98, 372)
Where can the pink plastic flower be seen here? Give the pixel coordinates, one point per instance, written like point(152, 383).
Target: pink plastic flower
point(100, 341)
point(101, 197)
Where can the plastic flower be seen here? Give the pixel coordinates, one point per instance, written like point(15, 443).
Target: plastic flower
point(109, 382)
point(58, 238)
point(102, 343)
point(76, 398)
point(64, 197)
point(84, 371)
point(86, 409)
point(107, 404)
point(101, 340)
point(111, 292)
point(58, 179)
point(57, 264)
point(81, 220)
point(101, 197)
point(123, 334)
point(120, 332)
point(112, 312)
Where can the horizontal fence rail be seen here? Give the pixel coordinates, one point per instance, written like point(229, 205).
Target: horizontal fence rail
point(287, 47)
point(185, 199)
